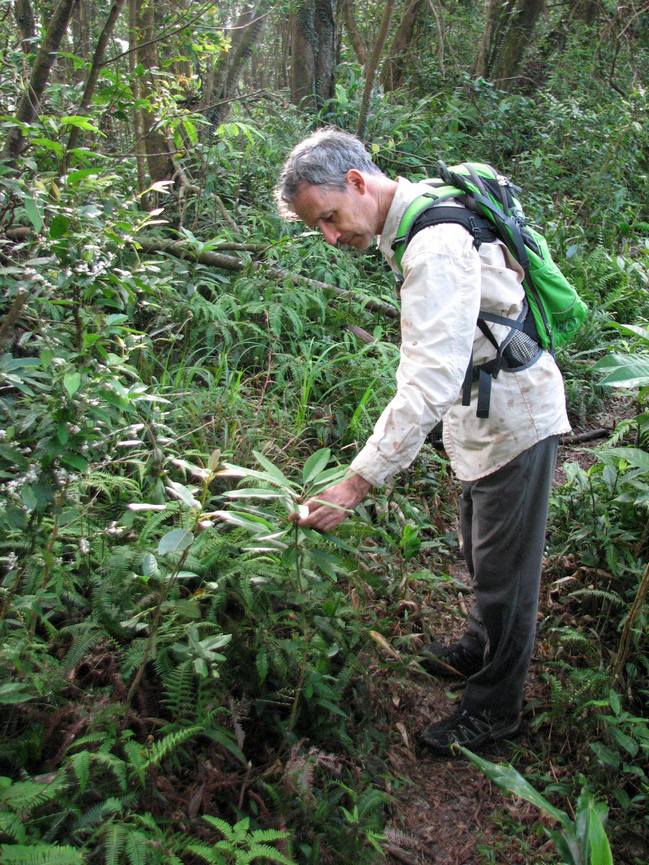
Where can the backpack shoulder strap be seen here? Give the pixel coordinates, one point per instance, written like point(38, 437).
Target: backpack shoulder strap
point(428, 209)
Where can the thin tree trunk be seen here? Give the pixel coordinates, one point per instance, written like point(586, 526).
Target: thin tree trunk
point(313, 52)
point(226, 75)
point(158, 155)
point(396, 61)
point(517, 39)
point(24, 15)
point(482, 62)
point(93, 74)
point(372, 65)
point(352, 31)
point(138, 123)
point(31, 98)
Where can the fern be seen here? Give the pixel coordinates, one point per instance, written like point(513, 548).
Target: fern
point(136, 847)
point(99, 812)
point(12, 826)
point(81, 767)
point(262, 851)
point(81, 644)
point(24, 796)
point(115, 766)
point(40, 854)
point(114, 843)
point(178, 685)
point(160, 750)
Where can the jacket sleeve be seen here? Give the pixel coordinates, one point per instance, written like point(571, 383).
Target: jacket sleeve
point(440, 301)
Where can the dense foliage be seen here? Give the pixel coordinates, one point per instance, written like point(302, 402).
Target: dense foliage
point(184, 677)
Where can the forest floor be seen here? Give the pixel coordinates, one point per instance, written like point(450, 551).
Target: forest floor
point(447, 812)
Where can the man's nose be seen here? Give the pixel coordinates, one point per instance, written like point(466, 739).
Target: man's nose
point(330, 234)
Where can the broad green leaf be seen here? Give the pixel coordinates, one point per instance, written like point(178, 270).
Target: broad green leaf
point(246, 521)
point(72, 382)
point(175, 541)
point(234, 471)
point(190, 130)
point(257, 493)
point(272, 470)
point(626, 370)
point(59, 226)
point(315, 464)
point(183, 494)
point(150, 565)
point(33, 213)
point(600, 849)
point(75, 461)
point(14, 692)
point(635, 457)
point(508, 779)
point(78, 121)
point(48, 144)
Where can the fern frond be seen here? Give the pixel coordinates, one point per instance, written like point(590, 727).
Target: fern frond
point(40, 854)
point(11, 825)
point(99, 812)
point(178, 685)
point(114, 843)
point(207, 853)
point(136, 847)
point(263, 851)
point(114, 765)
point(160, 750)
point(24, 796)
point(81, 767)
point(81, 645)
point(222, 825)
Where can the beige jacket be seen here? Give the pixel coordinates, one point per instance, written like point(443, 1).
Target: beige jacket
point(446, 282)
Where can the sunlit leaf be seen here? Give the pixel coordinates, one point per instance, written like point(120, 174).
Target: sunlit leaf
point(175, 541)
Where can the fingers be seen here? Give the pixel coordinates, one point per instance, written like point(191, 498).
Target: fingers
point(321, 518)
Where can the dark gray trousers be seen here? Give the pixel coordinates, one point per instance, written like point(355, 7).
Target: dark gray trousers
point(503, 518)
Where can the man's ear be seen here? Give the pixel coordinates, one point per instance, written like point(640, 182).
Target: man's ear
point(356, 179)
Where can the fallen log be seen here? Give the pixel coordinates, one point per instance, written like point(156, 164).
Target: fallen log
point(587, 436)
point(231, 262)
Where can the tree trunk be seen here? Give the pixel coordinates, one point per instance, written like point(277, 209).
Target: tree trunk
point(313, 52)
point(31, 98)
point(370, 71)
point(24, 15)
point(586, 10)
point(396, 62)
point(517, 39)
point(80, 30)
point(138, 123)
point(225, 77)
point(495, 12)
point(93, 74)
point(352, 31)
point(158, 155)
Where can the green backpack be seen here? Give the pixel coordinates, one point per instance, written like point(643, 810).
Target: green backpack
point(490, 210)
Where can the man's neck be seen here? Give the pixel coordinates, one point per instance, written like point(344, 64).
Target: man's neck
point(383, 189)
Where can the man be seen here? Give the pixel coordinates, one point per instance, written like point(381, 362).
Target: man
point(504, 461)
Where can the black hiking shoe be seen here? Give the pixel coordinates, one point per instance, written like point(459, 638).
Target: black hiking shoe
point(449, 662)
point(469, 729)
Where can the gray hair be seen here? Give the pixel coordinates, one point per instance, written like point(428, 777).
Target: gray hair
point(322, 159)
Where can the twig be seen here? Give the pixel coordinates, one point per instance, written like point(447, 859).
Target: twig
point(625, 640)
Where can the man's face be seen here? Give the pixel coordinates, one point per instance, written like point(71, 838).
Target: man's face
point(347, 217)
